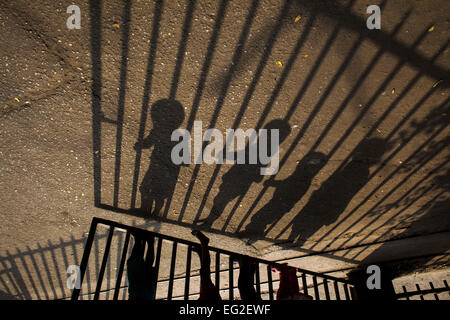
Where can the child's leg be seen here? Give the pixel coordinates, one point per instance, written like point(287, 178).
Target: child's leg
point(205, 259)
point(208, 290)
point(151, 275)
point(146, 202)
point(245, 281)
point(138, 249)
point(136, 270)
point(159, 203)
point(150, 251)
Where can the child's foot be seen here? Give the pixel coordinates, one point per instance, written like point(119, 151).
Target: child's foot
point(204, 240)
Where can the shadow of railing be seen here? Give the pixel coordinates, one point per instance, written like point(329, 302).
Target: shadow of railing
point(42, 272)
point(358, 218)
point(45, 272)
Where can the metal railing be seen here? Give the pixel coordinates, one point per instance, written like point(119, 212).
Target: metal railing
point(225, 271)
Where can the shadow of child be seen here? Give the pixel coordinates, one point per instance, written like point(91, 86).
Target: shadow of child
point(161, 177)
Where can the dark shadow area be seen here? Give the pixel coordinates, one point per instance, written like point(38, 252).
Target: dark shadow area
point(126, 19)
point(26, 274)
point(238, 180)
point(226, 81)
point(353, 22)
point(435, 214)
point(327, 203)
point(330, 200)
point(360, 116)
point(279, 86)
point(178, 66)
point(430, 219)
point(317, 108)
point(95, 12)
point(431, 128)
point(203, 76)
point(146, 95)
point(159, 181)
point(287, 193)
point(43, 272)
point(432, 125)
point(421, 189)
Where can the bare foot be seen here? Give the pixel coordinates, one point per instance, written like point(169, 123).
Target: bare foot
point(204, 240)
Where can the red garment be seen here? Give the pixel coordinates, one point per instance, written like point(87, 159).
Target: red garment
point(289, 289)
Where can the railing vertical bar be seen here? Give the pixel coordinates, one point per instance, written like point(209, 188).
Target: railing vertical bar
point(346, 291)
point(336, 290)
point(172, 270)
point(11, 280)
point(188, 273)
point(316, 288)
point(39, 274)
point(62, 246)
point(231, 282)
point(158, 255)
point(327, 292)
point(258, 280)
point(97, 263)
point(418, 289)
point(75, 256)
point(27, 271)
point(436, 297)
point(124, 294)
point(305, 285)
point(446, 285)
point(157, 260)
point(269, 280)
point(218, 270)
point(405, 291)
point(121, 266)
point(85, 258)
point(104, 261)
point(44, 262)
point(108, 277)
point(120, 245)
